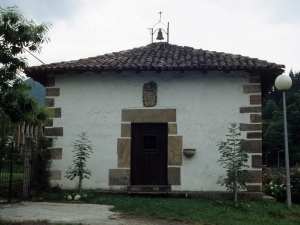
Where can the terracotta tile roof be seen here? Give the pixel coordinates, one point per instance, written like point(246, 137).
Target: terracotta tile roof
point(161, 56)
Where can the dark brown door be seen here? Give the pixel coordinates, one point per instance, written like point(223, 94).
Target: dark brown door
point(149, 153)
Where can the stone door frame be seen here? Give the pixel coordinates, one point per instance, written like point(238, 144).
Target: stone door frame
point(121, 175)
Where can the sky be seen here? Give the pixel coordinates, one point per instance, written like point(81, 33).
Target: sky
point(264, 29)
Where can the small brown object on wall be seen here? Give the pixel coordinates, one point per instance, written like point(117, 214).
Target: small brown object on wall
point(150, 94)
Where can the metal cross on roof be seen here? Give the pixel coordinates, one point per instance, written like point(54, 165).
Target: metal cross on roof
point(160, 15)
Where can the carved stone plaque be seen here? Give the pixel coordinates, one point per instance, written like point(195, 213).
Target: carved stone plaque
point(150, 94)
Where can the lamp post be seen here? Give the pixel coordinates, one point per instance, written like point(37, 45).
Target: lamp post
point(278, 157)
point(267, 159)
point(284, 83)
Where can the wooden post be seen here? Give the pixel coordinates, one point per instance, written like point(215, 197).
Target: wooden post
point(27, 167)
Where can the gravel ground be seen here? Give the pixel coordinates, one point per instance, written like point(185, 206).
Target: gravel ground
point(36, 212)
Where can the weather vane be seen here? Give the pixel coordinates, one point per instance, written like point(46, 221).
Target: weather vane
point(160, 30)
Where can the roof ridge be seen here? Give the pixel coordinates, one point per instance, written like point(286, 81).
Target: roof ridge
point(161, 56)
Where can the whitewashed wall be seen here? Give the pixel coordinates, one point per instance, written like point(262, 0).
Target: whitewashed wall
point(205, 105)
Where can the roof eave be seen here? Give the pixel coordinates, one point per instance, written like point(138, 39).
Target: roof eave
point(267, 76)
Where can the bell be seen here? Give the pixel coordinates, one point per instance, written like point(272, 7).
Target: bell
point(160, 35)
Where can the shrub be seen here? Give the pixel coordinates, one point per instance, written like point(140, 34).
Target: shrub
point(274, 183)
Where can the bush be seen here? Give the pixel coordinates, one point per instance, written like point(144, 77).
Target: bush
point(274, 183)
point(41, 157)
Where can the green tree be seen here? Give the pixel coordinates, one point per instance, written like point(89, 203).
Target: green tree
point(6, 128)
point(82, 150)
point(233, 159)
point(269, 109)
point(18, 35)
point(272, 123)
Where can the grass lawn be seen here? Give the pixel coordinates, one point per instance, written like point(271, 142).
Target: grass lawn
point(194, 210)
point(4, 178)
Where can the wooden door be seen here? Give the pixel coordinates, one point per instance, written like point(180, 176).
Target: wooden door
point(149, 153)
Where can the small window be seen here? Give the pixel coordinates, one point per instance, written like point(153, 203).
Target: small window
point(149, 142)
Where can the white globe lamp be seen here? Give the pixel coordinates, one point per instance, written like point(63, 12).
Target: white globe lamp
point(283, 82)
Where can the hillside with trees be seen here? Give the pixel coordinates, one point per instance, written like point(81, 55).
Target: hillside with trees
point(38, 92)
point(272, 124)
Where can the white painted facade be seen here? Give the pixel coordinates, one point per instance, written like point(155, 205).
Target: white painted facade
point(205, 104)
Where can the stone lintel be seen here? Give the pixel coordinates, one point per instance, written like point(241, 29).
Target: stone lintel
point(250, 127)
point(52, 91)
point(49, 102)
point(256, 161)
point(174, 150)
point(126, 130)
point(254, 188)
point(256, 176)
point(49, 123)
point(56, 153)
point(249, 89)
point(50, 81)
point(255, 118)
point(55, 174)
point(49, 164)
point(57, 113)
point(124, 150)
point(149, 115)
point(50, 141)
point(119, 177)
point(251, 109)
point(54, 131)
point(252, 146)
point(255, 99)
point(174, 176)
point(256, 135)
point(172, 128)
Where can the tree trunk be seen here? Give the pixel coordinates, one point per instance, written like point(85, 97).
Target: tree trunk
point(235, 186)
point(235, 192)
point(80, 182)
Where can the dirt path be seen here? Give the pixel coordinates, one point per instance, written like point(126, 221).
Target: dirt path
point(34, 212)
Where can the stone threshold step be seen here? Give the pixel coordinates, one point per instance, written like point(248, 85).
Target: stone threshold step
point(149, 188)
